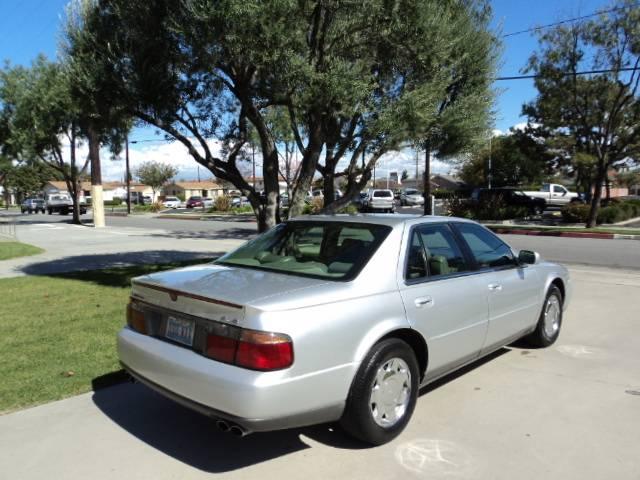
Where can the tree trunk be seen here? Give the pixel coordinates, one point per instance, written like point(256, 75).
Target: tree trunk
point(427, 179)
point(329, 190)
point(96, 179)
point(608, 186)
point(597, 196)
point(74, 178)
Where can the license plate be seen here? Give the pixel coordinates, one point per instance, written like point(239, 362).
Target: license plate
point(180, 330)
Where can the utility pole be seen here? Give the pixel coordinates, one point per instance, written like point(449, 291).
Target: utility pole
point(417, 171)
point(427, 178)
point(489, 174)
point(128, 174)
point(253, 164)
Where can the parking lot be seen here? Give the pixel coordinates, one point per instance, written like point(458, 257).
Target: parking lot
point(568, 412)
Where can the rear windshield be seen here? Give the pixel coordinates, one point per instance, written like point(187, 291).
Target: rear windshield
point(382, 193)
point(331, 250)
point(410, 191)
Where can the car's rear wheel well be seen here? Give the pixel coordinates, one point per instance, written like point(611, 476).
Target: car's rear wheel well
point(560, 284)
point(417, 344)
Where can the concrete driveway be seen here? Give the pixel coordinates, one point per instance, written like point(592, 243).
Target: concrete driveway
point(568, 412)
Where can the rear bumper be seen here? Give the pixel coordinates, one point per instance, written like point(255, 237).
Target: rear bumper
point(257, 401)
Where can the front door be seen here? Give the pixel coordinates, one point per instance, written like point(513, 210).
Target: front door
point(443, 301)
point(513, 290)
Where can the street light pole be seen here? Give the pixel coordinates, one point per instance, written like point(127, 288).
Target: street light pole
point(489, 174)
point(128, 174)
point(427, 179)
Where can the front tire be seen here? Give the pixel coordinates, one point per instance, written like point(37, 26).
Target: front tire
point(383, 394)
point(548, 327)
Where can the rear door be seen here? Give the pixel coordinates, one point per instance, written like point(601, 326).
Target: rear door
point(514, 290)
point(443, 300)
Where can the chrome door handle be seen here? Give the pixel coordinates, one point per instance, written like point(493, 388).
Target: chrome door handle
point(496, 287)
point(419, 302)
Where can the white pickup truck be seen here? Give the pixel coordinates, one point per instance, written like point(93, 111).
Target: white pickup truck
point(554, 194)
point(63, 204)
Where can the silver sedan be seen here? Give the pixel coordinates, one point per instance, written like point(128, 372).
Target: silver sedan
point(337, 318)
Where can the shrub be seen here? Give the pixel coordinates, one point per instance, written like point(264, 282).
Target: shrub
point(142, 208)
point(350, 209)
point(613, 211)
point(156, 207)
point(222, 203)
point(575, 213)
point(243, 209)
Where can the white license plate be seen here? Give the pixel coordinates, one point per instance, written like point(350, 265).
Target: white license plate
point(180, 330)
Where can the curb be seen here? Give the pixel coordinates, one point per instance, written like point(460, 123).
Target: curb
point(543, 233)
point(207, 217)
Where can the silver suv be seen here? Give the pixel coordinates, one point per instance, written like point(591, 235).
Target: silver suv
point(32, 205)
point(379, 200)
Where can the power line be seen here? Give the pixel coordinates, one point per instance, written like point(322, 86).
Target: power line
point(568, 74)
point(570, 20)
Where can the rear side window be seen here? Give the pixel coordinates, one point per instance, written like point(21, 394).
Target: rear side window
point(487, 249)
point(434, 252)
point(382, 194)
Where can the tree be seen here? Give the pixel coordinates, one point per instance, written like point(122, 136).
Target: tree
point(97, 114)
point(516, 159)
point(352, 76)
point(37, 100)
point(155, 174)
point(597, 114)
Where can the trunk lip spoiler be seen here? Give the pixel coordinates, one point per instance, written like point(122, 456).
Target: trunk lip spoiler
point(174, 294)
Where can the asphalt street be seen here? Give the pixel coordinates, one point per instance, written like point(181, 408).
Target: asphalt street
point(569, 412)
point(147, 230)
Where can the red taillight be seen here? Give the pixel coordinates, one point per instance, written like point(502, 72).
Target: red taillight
point(264, 351)
point(251, 349)
point(221, 348)
point(135, 317)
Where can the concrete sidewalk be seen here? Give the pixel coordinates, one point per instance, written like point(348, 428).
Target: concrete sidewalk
point(76, 247)
point(569, 412)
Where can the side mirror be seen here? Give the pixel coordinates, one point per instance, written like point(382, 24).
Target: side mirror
point(527, 257)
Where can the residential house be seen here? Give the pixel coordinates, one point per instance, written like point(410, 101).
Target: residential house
point(110, 190)
point(204, 188)
point(8, 196)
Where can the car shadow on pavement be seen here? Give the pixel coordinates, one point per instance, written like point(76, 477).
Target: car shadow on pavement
point(194, 439)
point(85, 263)
point(224, 234)
point(188, 436)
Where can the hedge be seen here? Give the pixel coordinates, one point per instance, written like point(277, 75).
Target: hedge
point(612, 212)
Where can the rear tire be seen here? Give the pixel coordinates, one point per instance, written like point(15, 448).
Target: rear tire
point(383, 394)
point(550, 320)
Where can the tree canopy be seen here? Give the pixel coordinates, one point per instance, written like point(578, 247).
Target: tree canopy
point(351, 76)
point(155, 174)
point(594, 116)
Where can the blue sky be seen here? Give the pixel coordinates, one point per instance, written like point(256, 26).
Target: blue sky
point(29, 27)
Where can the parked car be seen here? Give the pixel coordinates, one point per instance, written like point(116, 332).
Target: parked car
point(379, 200)
point(361, 200)
point(171, 202)
point(239, 201)
point(510, 196)
point(197, 201)
point(555, 195)
point(411, 196)
point(62, 203)
point(32, 205)
point(336, 318)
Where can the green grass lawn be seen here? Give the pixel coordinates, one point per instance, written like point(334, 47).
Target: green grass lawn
point(16, 249)
point(58, 333)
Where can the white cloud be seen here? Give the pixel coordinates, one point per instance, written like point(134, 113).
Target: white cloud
point(176, 154)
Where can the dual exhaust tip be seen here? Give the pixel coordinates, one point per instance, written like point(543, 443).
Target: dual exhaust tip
point(232, 428)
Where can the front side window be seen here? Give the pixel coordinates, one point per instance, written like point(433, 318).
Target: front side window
point(331, 250)
point(434, 252)
point(558, 189)
point(487, 249)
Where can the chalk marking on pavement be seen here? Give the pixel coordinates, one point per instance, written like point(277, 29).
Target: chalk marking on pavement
point(437, 458)
point(579, 351)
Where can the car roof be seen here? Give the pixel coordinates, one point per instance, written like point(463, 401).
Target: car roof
point(379, 218)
